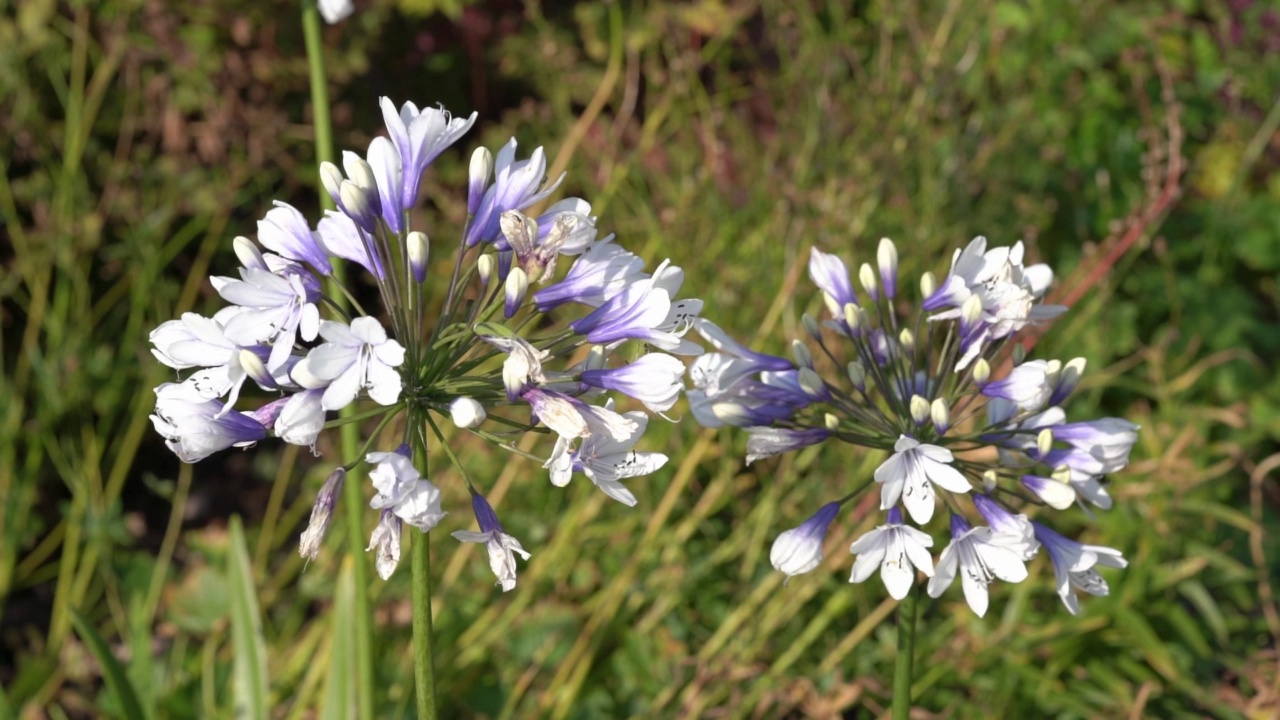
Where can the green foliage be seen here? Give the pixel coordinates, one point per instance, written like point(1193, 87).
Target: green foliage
point(729, 136)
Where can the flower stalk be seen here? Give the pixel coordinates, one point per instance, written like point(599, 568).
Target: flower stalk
point(349, 435)
point(904, 660)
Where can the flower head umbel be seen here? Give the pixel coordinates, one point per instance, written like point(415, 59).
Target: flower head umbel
point(964, 420)
point(518, 296)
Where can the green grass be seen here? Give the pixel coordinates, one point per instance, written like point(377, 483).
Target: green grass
point(729, 136)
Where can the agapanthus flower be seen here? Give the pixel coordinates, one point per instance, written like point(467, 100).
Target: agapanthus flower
point(901, 374)
point(496, 359)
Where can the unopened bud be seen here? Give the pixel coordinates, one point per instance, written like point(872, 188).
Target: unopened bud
point(359, 171)
point(595, 358)
point(941, 415)
point(811, 326)
point(517, 286)
point(481, 166)
point(907, 340)
point(801, 353)
point(1055, 494)
point(254, 368)
point(981, 372)
point(321, 515)
point(248, 254)
point(852, 318)
point(919, 410)
point(1044, 442)
point(811, 383)
point(858, 375)
point(331, 178)
point(466, 412)
point(989, 481)
point(1068, 379)
point(419, 250)
point(928, 285)
point(971, 311)
point(357, 204)
point(831, 422)
point(484, 269)
point(1062, 474)
point(887, 259)
point(867, 276)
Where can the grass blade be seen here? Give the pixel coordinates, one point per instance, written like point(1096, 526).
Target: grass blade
point(249, 651)
point(112, 671)
point(340, 693)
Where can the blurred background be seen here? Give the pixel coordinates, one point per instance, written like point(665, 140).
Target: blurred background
point(1133, 146)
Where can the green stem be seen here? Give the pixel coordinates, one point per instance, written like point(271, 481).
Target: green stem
point(424, 668)
point(907, 610)
point(352, 496)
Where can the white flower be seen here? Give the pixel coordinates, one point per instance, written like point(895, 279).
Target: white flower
point(501, 546)
point(276, 309)
point(301, 419)
point(404, 491)
point(1028, 386)
point(654, 379)
point(893, 547)
point(334, 11)
point(799, 550)
point(1073, 565)
point(915, 466)
point(605, 460)
point(357, 357)
point(196, 430)
point(980, 555)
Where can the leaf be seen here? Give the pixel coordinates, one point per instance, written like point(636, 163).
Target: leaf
point(112, 671)
point(249, 652)
point(340, 691)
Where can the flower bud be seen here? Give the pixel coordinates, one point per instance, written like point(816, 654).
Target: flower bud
point(941, 415)
point(907, 340)
point(801, 353)
point(928, 285)
point(481, 166)
point(357, 204)
point(867, 276)
point(887, 259)
point(254, 368)
point(466, 412)
point(919, 410)
point(248, 254)
point(852, 318)
point(359, 172)
point(981, 372)
point(484, 269)
point(858, 375)
point(831, 422)
point(1055, 494)
point(517, 286)
point(811, 383)
point(1067, 380)
point(811, 327)
point(1044, 442)
point(419, 250)
point(331, 178)
point(989, 481)
point(799, 550)
point(321, 514)
point(971, 312)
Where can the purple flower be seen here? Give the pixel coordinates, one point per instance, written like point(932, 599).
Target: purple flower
point(799, 550)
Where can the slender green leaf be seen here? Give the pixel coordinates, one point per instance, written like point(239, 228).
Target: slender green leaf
point(340, 691)
point(112, 671)
point(249, 651)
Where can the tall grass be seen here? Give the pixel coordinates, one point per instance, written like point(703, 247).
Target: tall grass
point(728, 136)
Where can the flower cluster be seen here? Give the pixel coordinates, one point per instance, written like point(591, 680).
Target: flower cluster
point(921, 386)
point(504, 319)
